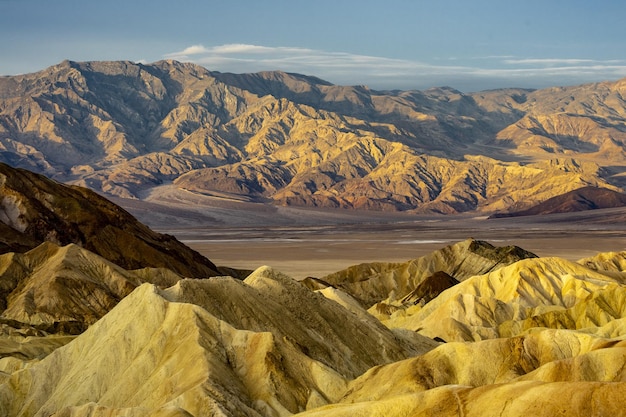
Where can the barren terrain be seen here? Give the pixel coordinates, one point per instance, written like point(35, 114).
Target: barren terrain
point(315, 242)
point(126, 129)
point(469, 329)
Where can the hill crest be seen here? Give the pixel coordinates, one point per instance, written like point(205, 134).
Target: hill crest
point(586, 198)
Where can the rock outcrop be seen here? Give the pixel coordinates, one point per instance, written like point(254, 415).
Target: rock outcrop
point(66, 289)
point(371, 283)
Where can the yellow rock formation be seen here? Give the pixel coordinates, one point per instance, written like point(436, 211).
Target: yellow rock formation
point(525, 336)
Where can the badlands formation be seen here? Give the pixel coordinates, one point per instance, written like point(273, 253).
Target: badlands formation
point(469, 330)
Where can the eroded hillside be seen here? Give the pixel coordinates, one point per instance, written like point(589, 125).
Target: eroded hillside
point(35, 209)
point(533, 335)
point(471, 329)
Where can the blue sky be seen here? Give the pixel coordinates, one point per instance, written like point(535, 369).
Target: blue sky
point(393, 44)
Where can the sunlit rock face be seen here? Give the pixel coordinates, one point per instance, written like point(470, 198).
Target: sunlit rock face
point(264, 346)
point(269, 346)
point(375, 282)
point(123, 128)
point(540, 335)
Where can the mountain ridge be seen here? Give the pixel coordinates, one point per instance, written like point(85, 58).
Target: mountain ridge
point(586, 198)
point(122, 128)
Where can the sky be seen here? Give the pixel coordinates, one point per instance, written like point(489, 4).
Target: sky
point(469, 45)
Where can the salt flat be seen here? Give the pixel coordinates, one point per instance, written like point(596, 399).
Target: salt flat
point(305, 242)
point(304, 255)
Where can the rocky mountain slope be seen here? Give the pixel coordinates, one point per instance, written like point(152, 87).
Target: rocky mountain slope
point(123, 128)
point(471, 329)
point(586, 198)
point(541, 336)
point(35, 209)
point(268, 346)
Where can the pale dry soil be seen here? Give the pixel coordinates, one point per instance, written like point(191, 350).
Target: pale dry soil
point(312, 242)
point(302, 253)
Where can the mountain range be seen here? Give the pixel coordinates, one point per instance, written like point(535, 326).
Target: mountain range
point(125, 129)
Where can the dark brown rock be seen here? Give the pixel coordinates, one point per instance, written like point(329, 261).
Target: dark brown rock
point(34, 209)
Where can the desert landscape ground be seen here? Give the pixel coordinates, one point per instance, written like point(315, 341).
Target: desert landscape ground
point(103, 316)
point(357, 252)
point(317, 252)
point(305, 242)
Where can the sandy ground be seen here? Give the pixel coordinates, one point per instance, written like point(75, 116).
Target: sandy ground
point(317, 253)
point(306, 242)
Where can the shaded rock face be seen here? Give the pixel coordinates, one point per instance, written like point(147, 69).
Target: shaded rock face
point(430, 288)
point(34, 209)
point(122, 128)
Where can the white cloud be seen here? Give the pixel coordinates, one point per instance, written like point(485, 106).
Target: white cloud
point(194, 50)
point(240, 48)
point(387, 73)
point(548, 61)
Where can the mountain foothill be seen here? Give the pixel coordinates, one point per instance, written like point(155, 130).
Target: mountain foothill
point(471, 329)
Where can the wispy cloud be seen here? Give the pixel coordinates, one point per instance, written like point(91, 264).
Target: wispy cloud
point(548, 61)
point(192, 50)
point(387, 73)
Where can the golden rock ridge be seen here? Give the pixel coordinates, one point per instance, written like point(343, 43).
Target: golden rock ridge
point(522, 335)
